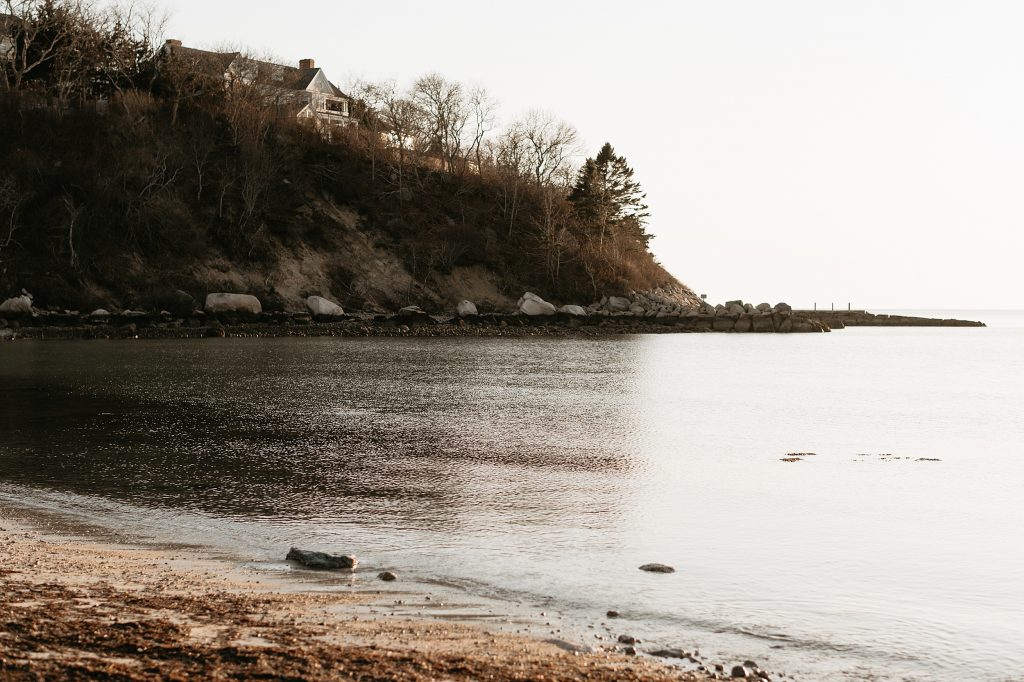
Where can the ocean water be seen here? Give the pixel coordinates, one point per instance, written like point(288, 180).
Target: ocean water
point(545, 471)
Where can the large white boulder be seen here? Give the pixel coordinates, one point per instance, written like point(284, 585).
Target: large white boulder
point(532, 304)
point(618, 304)
point(529, 296)
point(20, 305)
point(318, 305)
point(576, 310)
point(465, 309)
point(233, 303)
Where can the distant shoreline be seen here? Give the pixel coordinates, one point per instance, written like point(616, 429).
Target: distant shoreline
point(53, 326)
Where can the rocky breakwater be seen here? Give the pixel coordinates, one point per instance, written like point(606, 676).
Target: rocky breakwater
point(732, 316)
point(838, 319)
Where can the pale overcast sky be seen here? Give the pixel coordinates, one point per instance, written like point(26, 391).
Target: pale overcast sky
point(868, 151)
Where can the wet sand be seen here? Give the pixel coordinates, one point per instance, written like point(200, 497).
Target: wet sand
point(73, 608)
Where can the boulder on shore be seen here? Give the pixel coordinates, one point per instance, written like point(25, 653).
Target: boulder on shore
point(322, 561)
point(657, 568)
point(233, 303)
point(532, 304)
point(618, 304)
point(740, 672)
point(466, 309)
point(576, 310)
point(317, 305)
point(19, 305)
point(783, 307)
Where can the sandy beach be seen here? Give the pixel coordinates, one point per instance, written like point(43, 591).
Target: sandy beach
point(73, 609)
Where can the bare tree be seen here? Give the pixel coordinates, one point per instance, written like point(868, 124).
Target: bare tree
point(370, 133)
point(482, 109)
point(509, 156)
point(74, 211)
point(187, 77)
point(551, 144)
point(38, 31)
point(446, 115)
point(11, 199)
point(128, 51)
point(402, 124)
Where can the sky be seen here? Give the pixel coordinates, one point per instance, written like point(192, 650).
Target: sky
point(866, 152)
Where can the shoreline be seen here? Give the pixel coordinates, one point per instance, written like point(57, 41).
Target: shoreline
point(138, 325)
point(79, 607)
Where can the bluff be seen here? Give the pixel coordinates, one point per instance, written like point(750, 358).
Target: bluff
point(122, 206)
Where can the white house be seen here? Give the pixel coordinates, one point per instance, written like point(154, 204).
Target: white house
point(314, 97)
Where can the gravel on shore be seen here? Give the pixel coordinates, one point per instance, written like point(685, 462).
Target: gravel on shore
point(73, 609)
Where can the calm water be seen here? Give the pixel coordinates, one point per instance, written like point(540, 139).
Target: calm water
point(546, 471)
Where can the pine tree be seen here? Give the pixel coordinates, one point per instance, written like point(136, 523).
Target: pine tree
point(606, 196)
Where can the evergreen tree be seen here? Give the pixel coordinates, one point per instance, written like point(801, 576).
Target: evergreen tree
point(606, 195)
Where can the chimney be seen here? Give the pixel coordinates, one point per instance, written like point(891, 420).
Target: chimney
point(307, 64)
point(172, 43)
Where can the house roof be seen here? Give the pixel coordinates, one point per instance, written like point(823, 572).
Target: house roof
point(288, 77)
point(203, 58)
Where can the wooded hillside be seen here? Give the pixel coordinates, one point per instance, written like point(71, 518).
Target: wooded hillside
point(124, 175)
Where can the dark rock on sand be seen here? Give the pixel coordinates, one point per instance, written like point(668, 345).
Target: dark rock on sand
point(387, 576)
point(657, 568)
point(321, 561)
point(739, 672)
point(570, 646)
point(627, 639)
point(612, 614)
point(669, 653)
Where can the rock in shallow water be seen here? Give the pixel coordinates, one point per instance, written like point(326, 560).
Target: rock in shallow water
point(387, 576)
point(657, 568)
point(321, 561)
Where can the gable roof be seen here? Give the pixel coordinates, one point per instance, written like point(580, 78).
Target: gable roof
point(286, 77)
point(202, 58)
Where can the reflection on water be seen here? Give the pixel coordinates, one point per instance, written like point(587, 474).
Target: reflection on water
point(546, 471)
point(299, 433)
